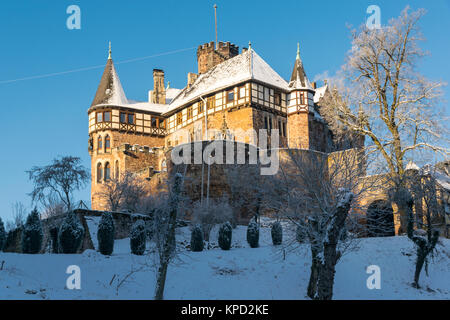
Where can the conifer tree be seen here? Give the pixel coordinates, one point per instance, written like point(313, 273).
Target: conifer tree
point(105, 234)
point(137, 238)
point(225, 234)
point(70, 234)
point(197, 239)
point(32, 233)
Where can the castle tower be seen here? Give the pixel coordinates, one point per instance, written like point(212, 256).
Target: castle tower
point(300, 111)
point(208, 56)
point(159, 91)
point(121, 138)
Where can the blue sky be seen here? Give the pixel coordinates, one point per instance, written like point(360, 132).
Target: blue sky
point(46, 117)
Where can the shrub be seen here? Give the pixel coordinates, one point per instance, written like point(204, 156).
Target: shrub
point(32, 233)
point(70, 234)
point(277, 233)
point(137, 238)
point(197, 239)
point(225, 234)
point(105, 234)
point(2, 234)
point(253, 234)
point(54, 237)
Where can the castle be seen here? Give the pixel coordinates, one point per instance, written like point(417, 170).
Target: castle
point(231, 91)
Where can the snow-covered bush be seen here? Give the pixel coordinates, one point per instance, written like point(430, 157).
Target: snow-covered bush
point(210, 213)
point(197, 239)
point(105, 234)
point(253, 234)
point(138, 237)
point(32, 233)
point(70, 234)
point(225, 234)
point(2, 235)
point(277, 233)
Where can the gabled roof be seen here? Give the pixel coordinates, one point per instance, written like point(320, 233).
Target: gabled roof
point(243, 67)
point(320, 92)
point(109, 90)
point(298, 77)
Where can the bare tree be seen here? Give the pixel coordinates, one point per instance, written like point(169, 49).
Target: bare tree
point(210, 213)
point(423, 229)
point(19, 214)
point(61, 179)
point(53, 206)
point(164, 222)
point(123, 193)
point(380, 94)
point(320, 194)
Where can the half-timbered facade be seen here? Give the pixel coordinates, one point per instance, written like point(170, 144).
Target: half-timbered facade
point(231, 92)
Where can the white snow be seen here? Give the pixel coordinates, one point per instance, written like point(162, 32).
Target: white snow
point(241, 273)
point(245, 66)
point(319, 93)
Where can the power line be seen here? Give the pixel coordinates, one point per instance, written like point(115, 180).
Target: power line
point(94, 67)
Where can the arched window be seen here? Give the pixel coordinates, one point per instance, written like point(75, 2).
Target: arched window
point(164, 166)
point(107, 172)
point(99, 143)
point(107, 144)
point(99, 173)
point(117, 169)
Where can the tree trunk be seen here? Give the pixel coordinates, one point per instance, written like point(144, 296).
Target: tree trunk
point(314, 276)
point(161, 281)
point(421, 256)
point(330, 253)
point(169, 244)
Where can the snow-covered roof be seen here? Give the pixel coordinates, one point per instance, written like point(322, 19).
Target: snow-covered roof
point(412, 166)
point(171, 93)
point(243, 67)
point(320, 92)
point(109, 90)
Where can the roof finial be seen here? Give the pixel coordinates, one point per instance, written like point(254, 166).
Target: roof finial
point(249, 45)
point(109, 51)
point(298, 50)
point(215, 18)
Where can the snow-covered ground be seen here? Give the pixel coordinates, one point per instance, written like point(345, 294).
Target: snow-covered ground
point(267, 272)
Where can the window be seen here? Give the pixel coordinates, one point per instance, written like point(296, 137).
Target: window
point(266, 123)
point(163, 166)
point(266, 94)
point(99, 172)
point(130, 118)
point(162, 123)
point(242, 92)
point(99, 143)
point(179, 118)
point(210, 103)
point(301, 98)
point(107, 116)
point(189, 113)
point(116, 171)
point(107, 144)
point(123, 117)
point(154, 122)
point(270, 123)
point(107, 172)
point(284, 129)
point(99, 117)
point(277, 98)
point(280, 128)
point(201, 106)
point(230, 96)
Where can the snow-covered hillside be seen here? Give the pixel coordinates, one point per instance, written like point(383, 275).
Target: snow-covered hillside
point(267, 272)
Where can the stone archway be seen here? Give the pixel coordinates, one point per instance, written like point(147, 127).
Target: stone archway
point(380, 219)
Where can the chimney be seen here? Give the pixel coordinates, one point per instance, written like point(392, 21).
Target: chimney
point(325, 81)
point(191, 78)
point(244, 49)
point(159, 91)
point(314, 85)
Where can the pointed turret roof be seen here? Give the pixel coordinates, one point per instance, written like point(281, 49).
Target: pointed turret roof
point(298, 77)
point(110, 90)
